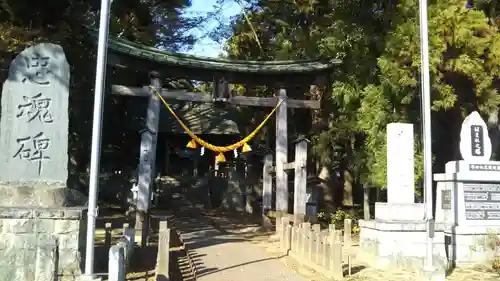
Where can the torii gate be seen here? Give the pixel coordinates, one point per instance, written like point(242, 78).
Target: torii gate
point(124, 54)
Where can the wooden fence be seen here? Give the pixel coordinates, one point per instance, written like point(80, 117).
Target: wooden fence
point(163, 256)
point(120, 254)
point(322, 251)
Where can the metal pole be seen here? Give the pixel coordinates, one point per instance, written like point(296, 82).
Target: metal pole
point(427, 139)
point(102, 48)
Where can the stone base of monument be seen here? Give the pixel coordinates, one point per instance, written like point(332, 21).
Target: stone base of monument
point(398, 244)
point(471, 245)
point(40, 195)
point(468, 202)
point(431, 275)
point(399, 212)
point(42, 232)
point(42, 221)
point(42, 243)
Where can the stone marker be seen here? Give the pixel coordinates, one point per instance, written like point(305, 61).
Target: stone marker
point(34, 124)
point(34, 129)
point(468, 197)
point(37, 208)
point(396, 237)
point(400, 163)
point(400, 204)
point(475, 142)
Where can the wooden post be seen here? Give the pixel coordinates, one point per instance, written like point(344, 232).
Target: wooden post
point(107, 234)
point(336, 260)
point(284, 237)
point(324, 251)
point(306, 229)
point(300, 181)
point(116, 264)
point(281, 157)
point(313, 242)
point(335, 255)
point(347, 232)
point(296, 239)
point(288, 232)
point(267, 189)
point(310, 245)
point(125, 226)
point(163, 258)
point(148, 159)
point(348, 242)
point(317, 250)
point(167, 159)
point(129, 235)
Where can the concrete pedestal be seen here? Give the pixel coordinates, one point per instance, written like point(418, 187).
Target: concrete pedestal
point(470, 245)
point(468, 204)
point(386, 244)
point(399, 211)
point(40, 243)
point(397, 236)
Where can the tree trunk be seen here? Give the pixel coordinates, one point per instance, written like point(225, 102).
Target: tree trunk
point(494, 132)
point(348, 191)
point(328, 198)
point(366, 202)
point(348, 199)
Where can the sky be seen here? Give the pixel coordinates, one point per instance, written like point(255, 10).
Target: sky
point(207, 47)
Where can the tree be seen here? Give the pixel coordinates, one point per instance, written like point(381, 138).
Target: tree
point(464, 72)
point(24, 23)
point(379, 80)
point(299, 30)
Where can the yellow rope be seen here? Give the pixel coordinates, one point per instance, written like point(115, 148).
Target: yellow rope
point(219, 149)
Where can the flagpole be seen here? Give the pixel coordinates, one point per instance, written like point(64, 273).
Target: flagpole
point(102, 48)
point(426, 134)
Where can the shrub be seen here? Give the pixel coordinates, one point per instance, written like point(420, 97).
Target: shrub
point(338, 218)
point(494, 244)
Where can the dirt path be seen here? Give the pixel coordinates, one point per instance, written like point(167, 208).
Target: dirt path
point(248, 228)
point(222, 256)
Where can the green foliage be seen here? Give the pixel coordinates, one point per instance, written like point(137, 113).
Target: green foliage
point(338, 218)
point(379, 80)
point(493, 243)
point(464, 68)
point(24, 23)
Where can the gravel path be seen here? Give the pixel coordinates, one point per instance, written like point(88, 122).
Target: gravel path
point(226, 257)
point(222, 254)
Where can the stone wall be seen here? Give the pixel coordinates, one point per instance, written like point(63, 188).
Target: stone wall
point(42, 244)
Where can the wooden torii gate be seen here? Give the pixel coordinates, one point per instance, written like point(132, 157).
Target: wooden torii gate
point(125, 55)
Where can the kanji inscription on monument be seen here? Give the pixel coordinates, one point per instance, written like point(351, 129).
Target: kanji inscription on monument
point(475, 143)
point(34, 119)
point(36, 107)
point(39, 66)
point(33, 149)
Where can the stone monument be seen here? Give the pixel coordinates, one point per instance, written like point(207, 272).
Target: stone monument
point(400, 204)
point(42, 220)
point(396, 237)
point(468, 197)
